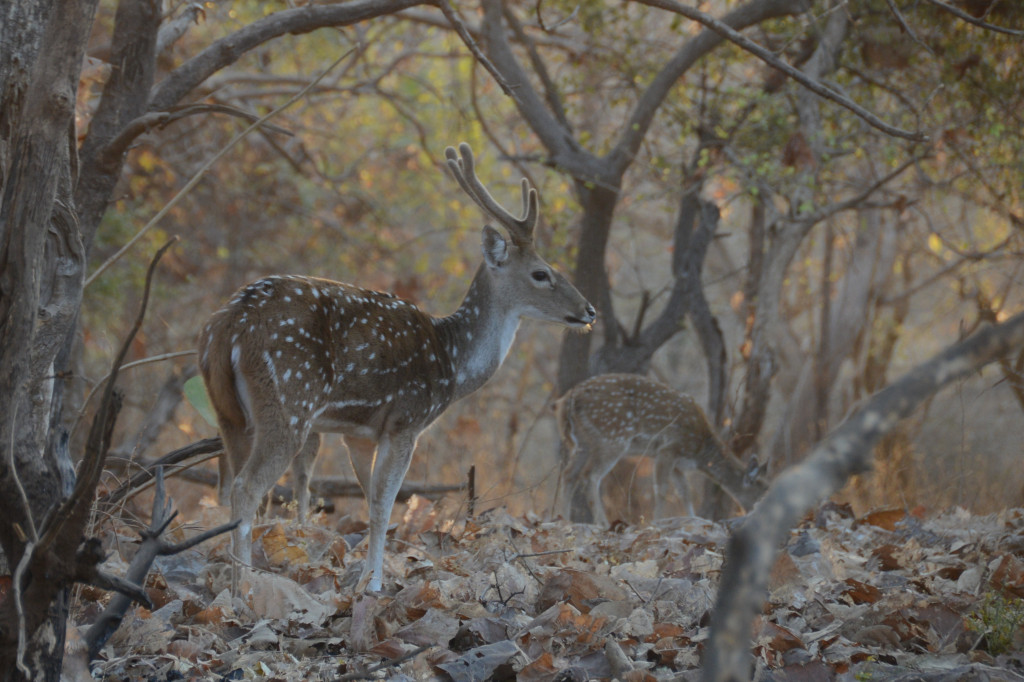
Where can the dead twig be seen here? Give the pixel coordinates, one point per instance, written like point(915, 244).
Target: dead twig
point(184, 459)
point(368, 674)
point(153, 545)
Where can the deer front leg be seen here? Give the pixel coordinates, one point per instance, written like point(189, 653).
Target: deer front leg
point(394, 454)
point(669, 471)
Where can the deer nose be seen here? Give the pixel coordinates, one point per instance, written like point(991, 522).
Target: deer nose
point(589, 315)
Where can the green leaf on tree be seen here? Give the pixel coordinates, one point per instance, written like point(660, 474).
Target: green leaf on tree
point(195, 394)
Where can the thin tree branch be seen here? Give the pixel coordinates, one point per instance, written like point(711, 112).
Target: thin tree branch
point(130, 587)
point(972, 20)
point(727, 32)
point(118, 146)
point(194, 180)
point(230, 48)
point(857, 201)
point(565, 153)
point(906, 27)
point(117, 584)
point(129, 365)
point(459, 25)
point(551, 93)
point(640, 120)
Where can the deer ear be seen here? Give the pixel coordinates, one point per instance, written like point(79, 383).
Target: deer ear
point(495, 247)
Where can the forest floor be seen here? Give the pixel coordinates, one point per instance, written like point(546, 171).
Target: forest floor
point(886, 596)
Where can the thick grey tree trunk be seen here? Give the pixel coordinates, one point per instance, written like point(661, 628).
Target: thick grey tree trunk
point(42, 45)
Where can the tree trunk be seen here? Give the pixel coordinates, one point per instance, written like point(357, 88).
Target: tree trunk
point(592, 281)
point(42, 45)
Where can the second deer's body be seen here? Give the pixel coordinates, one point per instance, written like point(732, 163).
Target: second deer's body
point(290, 357)
point(611, 416)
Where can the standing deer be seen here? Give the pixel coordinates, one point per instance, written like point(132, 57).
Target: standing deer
point(610, 416)
point(291, 357)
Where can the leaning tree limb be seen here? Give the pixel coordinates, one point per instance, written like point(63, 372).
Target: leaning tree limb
point(846, 451)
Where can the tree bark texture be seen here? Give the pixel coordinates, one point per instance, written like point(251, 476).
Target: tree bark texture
point(42, 45)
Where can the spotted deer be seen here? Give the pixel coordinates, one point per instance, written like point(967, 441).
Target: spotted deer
point(290, 357)
point(611, 416)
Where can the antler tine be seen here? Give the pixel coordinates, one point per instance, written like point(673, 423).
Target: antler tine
point(520, 229)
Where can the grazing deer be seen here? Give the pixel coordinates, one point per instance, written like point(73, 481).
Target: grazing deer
point(290, 357)
point(610, 416)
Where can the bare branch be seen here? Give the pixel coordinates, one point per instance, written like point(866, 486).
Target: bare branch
point(972, 20)
point(175, 28)
point(137, 363)
point(552, 40)
point(459, 25)
point(565, 152)
point(754, 546)
point(113, 583)
point(206, 166)
point(159, 119)
point(906, 27)
point(201, 537)
point(130, 587)
point(193, 453)
point(858, 200)
point(749, 14)
point(724, 30)
point(203, 450)
point(551, 94)
point(229, 49)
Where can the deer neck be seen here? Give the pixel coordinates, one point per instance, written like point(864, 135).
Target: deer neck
point(722, 466)
point(479, 334)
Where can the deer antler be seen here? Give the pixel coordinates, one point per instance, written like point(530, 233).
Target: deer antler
point(521, 228)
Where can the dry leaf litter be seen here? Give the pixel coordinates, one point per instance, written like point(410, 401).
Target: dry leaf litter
point(888, 596)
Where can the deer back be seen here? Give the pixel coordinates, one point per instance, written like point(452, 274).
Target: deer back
point(331, 355)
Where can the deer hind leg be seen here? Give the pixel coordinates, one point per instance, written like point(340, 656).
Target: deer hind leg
point(573, 482)
point(275, 445)
point(360, 453)
point(592, 460)
point(394, 454)
point(237, 446)
point(302, 472)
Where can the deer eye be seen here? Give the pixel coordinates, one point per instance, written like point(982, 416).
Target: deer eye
point(540, 276)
